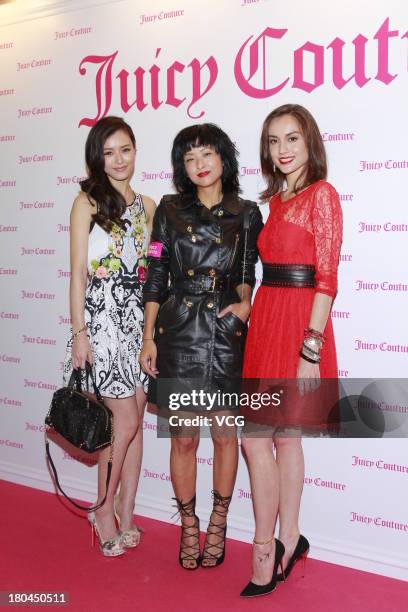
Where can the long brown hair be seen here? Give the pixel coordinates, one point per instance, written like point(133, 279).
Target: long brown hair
point(316, 167)
point(110, 203)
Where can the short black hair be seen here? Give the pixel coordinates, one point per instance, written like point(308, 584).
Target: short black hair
point(205, 135)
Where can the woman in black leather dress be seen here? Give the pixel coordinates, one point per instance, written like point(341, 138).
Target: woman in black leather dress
point(199, 244)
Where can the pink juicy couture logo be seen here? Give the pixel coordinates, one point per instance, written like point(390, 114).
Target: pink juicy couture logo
point(8, 183)
point(38, 340)
point(163, 175)
point(62, 228)
point(36, 295)
point(378, 521)
point(338, 136)
point(34, 63)
point(384, 347)
point(156, 475)
point(69, 180)
point(39, 384)
point(35, 111)
point(162, 16)
point(6, 45)
point(34, 159)
point(379, 464)
point(7, 92)
point(389, 164)
point(325, 484)
point(386, 286)
point(158, 86)
point(7, 138)
point(8, 228)
point(363, 226)
point(36, 205)
point(72, 33)
point(36, 251)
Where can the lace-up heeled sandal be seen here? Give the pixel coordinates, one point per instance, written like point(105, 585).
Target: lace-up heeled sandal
point(218, 531)
point(189, 555)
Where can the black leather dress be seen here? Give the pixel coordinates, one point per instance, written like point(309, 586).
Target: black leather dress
point(196, 261)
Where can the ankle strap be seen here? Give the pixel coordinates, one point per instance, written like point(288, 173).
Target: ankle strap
point(185, 508)
point(262, 543)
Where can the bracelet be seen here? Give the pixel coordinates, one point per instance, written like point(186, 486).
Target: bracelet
point(306, 350)
point(79, 331)
point(308, 358)
point(313, 333)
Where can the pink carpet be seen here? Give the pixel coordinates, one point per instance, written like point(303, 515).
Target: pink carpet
point(45, 547)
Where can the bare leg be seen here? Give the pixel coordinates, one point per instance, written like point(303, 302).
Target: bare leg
point(183, 468)
point(126, 423)
point(289, 456)
point(129, 477)
point(264, 477)
point(224, 474)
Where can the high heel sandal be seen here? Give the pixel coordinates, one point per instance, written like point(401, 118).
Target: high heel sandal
point(254, 590)
point(109, 548)
point(300, 552)
point(130, 538)
point(187, 509)
point(216, 530)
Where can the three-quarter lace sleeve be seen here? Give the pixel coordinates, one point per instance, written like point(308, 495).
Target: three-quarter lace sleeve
point(327, 224)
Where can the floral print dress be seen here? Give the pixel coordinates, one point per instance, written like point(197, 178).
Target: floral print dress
point(117, 268)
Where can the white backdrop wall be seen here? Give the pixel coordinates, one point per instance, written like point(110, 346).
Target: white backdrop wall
point(163, 65)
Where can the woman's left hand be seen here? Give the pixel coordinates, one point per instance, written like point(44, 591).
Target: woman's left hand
point(308, 375)
point(242, 310)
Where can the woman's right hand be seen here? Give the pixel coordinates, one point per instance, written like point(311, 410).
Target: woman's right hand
point(148, 358)
point(81, 351)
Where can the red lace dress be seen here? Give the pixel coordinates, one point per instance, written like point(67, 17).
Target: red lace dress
point(307, 229)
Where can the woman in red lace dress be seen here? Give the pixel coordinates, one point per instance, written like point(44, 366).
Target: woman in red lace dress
point(299, 248)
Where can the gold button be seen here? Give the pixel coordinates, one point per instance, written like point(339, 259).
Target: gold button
point(189, 228)
point(220, 213)
point(211, 272)
point(217, 240)
point(190, 272)
point(210, 304)
point(161, 330)
point(193, 238)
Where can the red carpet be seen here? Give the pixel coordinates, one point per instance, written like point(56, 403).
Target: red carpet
point(45, 547)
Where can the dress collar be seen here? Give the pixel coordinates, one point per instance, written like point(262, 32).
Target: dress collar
point(230, 203)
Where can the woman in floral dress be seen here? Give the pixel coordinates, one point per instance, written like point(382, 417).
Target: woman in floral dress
point(110, 227)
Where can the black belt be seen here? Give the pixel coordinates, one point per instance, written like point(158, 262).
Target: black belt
point(288, 275)
point(201, 283)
